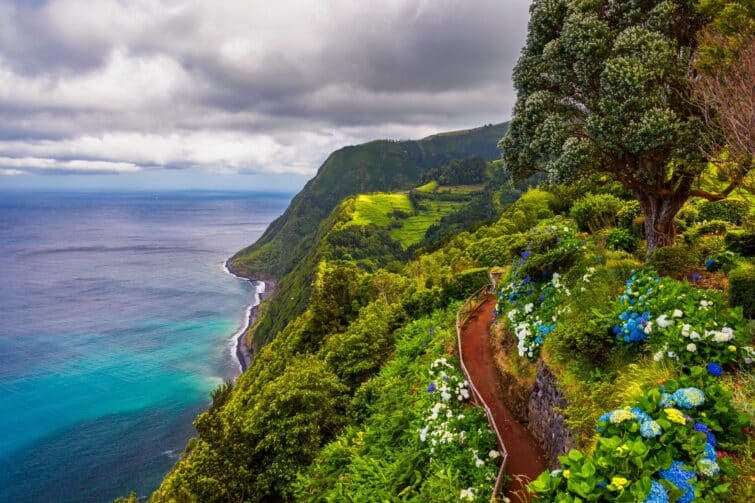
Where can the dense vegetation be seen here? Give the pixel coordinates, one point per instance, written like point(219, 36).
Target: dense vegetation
point(341, 404)
point(287, 250)
point(634, 284)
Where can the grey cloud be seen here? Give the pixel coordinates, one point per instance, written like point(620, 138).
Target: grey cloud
point(286, 80)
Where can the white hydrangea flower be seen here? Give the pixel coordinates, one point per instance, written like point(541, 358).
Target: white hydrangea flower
point(663, 321)
point(691, 347)
point(493, 454)
point(467, 494)
point(677, 313)
point(528, 308)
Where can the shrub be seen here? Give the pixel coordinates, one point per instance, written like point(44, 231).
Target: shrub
point(685, 324)
point(723, 261)
point(548, 248)
point(585, 332)
point(466, 283)
point(742, 242)
point(534, 205)
point(489, 252)
point(715, 227)
point(622, 239)
point(628, 212)
point(687, 216)
point(594, 212)
point(730, 211)
point(674, 259)
point(502, 227)
point(564, 197)
point(654, 452)
point(423, 302)
point(742, 288)
point(707, 246)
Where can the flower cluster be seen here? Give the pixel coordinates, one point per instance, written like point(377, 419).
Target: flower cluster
point(533, 311)
point(680, 322)
point(634, 320)
point(658, 493)
point(444, 429)
point(682, 479)
point(666, 441)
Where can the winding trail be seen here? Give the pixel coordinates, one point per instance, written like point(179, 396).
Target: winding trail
point(525, 456)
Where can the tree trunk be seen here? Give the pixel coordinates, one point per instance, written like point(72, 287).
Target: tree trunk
point(659, 214)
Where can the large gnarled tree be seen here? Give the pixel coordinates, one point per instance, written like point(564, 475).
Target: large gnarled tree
point(603, 86)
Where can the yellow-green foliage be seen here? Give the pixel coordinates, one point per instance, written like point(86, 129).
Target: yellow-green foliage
point(408, 224)
point(534, 205)
point(377, 208)
point(413, 228)
point(428, 188)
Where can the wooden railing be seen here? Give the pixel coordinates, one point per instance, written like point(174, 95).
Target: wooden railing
point(471, 305)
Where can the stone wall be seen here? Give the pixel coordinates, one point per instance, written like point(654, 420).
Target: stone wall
point(545, 419)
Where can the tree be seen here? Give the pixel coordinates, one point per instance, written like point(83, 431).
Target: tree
point(603, 87)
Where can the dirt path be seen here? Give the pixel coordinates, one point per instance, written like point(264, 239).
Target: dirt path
point(526, 458)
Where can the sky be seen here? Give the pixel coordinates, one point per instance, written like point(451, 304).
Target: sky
point(238, 94)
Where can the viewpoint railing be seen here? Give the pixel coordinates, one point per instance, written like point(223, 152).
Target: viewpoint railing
point(469, 306)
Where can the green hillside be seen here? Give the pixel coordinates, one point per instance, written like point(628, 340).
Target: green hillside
point(286, 251)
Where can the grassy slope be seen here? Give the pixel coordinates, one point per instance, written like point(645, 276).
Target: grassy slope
point(287, 250)
point(377, 209)
point(413, 229)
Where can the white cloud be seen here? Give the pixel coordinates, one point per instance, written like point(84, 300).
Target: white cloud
point(12, 172)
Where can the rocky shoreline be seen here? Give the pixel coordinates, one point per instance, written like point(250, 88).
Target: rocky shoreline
point(245, 354)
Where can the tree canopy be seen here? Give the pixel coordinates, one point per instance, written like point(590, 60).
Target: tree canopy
point(603, 86)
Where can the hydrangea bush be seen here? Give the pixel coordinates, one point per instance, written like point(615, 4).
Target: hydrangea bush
point(532, 300)
point(680, 322)
point(671, 446)
point(449, 431)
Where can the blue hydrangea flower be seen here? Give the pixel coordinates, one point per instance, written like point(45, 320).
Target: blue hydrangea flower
point(696, 277)
point(714, 369)
point(431, 387)
point(688, 398)
point(710, 452)
point(650, 429)
point(680, 477)
point(658, 493)
point(642, 416)
point(711, 437)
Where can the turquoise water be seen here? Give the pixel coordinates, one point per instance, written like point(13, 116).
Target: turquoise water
point(115, 323)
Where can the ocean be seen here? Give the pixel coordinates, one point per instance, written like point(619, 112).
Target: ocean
point(116, 320)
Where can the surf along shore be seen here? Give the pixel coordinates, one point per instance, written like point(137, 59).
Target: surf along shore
point(263, 288)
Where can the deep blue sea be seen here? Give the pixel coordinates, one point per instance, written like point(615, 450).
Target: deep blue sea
point(115, 324)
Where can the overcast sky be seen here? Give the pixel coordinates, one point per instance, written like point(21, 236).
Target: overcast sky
point(238, 93)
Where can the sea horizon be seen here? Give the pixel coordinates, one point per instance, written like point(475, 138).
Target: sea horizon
point(116, 321)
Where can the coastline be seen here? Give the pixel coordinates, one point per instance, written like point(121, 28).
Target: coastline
point(239, 350)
